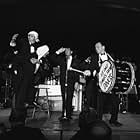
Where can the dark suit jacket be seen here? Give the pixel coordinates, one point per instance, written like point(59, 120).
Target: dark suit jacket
point(94, 62)
point(94, 65)
point(24, 54)
point(76, 63)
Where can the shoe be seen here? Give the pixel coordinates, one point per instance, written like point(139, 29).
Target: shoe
point(60, 118)
point(31, 105)
point(17, 124)
point(28, 105)
point(69, 117)
point(36, 104)
point(2, 128)
point(115, 123)
point(63, 118)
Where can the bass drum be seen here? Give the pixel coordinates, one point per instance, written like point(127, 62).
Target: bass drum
point(116, 77)
point(107, 76)
point(125, 77)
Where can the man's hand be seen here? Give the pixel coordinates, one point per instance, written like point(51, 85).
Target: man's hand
point(87, 73)
point(45, 54)
point(94, 73)
point(13, 40)
point(34, 60)
point(15, 36)
point(60, 50)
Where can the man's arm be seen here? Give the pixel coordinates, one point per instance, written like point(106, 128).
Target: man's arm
point(56, 57)
point(13, 40)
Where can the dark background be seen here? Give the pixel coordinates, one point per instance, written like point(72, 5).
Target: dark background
point(75, 23)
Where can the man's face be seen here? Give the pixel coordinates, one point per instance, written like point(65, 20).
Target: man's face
point(100, 49)
point(31, 38)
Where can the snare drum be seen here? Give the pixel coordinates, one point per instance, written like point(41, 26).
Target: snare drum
point(116, 77)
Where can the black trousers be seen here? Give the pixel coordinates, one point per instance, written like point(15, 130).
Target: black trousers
point(67, 96)
point(91, 91)
point(97, 100)
point(114, 101)
point(23, 87)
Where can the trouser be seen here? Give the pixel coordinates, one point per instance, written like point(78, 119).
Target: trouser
point(67, 96)
point(23, 84)
point(91, 94)
point(114, 103)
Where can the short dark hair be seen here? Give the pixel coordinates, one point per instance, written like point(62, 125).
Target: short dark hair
point(86, 116)
point(96, 130)
point(99, 130)
point(24, 133)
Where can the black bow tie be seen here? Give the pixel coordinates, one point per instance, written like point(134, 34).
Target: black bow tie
point(103, 54)
point(68, 57)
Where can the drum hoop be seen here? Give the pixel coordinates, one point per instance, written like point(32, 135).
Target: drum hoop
point(114, 76)
point(132, 77)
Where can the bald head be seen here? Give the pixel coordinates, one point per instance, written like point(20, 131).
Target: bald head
point(99, 130)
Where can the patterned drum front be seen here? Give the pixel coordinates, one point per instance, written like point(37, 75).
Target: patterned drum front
point(116, 77)
point(107, 76)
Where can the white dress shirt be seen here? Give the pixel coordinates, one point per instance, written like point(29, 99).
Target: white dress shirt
point(102, 58)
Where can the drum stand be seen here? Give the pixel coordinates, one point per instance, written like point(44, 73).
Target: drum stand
point(123, 106)
point(6, 93)
point(84, 99)
point(65, 95)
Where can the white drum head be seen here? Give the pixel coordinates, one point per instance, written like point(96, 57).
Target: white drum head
point(107, 76)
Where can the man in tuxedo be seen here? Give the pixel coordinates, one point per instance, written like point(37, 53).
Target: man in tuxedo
point(68, 77)
point(26, 60)
point(95, 97)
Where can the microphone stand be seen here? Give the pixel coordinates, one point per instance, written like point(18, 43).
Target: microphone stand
point(66, 87)
point(65, 95)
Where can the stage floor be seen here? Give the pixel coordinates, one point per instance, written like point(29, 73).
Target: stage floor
point(55, 130)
